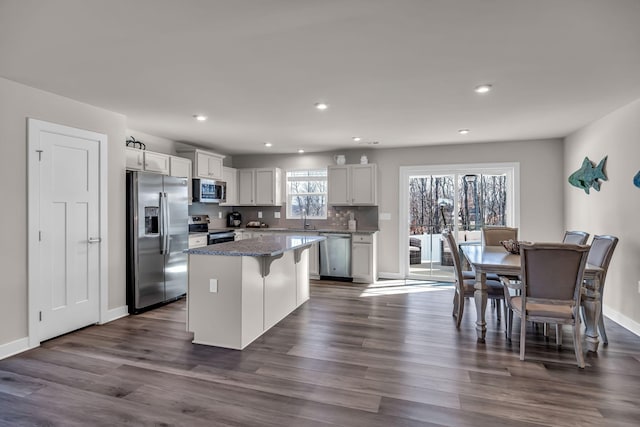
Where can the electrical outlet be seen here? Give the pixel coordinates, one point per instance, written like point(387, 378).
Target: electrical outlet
point(259, 214)
point(213, 285)
point(219, 215)
point(276, 215)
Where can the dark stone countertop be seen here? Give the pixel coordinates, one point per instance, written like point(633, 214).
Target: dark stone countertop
point(260, 246)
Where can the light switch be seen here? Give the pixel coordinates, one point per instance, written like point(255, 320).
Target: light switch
point(219, 215)
point(213, 285)
point(276, 215)
point(259, 214)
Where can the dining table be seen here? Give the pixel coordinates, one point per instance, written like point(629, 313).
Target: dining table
point(496, 259)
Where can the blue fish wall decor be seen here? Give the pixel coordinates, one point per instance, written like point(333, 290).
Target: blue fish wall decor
point(587, 176)
point(636, 180)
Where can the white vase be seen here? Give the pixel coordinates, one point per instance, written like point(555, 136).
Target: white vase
point(364, 160)
point(340, 159)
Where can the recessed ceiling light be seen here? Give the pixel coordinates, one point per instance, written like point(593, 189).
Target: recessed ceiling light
point(268, 144)
point(463, 131)
point(300, 151)
point(321, 106)
point(357, 139)
point(483, 88)
point(200, 117)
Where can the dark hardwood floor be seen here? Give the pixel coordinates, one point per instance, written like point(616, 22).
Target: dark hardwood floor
point(352, 356)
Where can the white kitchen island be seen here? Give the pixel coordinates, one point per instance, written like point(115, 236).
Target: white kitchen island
point(238, 290)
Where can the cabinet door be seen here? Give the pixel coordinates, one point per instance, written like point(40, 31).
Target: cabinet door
point(314, 264)
point(156, 162)
point(180, 167)
point(362, 261)
point(208, 166)
point(230, 176)
point(338, 182)
point(135, 159)
point(246, 187)
point(265, 187)
point(363, 184)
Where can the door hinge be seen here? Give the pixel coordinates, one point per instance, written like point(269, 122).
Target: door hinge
point(39, 155)
point(40, 315)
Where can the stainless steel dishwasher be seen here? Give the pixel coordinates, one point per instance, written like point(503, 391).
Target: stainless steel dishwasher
point(335, 256)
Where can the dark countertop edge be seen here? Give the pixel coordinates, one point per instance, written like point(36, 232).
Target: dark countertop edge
point(205, 251)
point(299, 230)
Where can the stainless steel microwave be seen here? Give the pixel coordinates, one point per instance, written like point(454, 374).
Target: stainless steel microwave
point(208, 191)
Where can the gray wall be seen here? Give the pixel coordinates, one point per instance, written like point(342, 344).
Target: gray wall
point(541, 182)
point(614, 209)
point(17, 102)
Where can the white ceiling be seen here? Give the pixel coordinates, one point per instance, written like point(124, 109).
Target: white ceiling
point(399, 72)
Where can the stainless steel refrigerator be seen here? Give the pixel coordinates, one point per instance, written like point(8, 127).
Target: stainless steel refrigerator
point(157, 235)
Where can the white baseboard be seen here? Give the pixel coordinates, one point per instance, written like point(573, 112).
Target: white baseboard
point(114, 314)
point(622, 320)
point(395, 276)
point(14, 347)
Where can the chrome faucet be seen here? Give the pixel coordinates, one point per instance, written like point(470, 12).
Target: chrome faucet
point(305, 224)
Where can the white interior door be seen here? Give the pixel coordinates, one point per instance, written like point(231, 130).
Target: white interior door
point(68, 289)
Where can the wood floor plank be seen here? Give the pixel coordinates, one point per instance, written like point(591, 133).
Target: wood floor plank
point(353, 355)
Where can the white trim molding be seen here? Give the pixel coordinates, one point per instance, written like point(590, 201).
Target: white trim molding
point(114, 314)
point(622, 320)
point(392, 276)
point(14, 347)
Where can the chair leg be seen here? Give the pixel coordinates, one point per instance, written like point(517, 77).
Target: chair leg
point(603, 333)
point(455, 304)
point(558, 334)
point(498, 309)
point(545, 330)
point(577, 344)
point(523, 335)
point(460, 312)
point(510, 325)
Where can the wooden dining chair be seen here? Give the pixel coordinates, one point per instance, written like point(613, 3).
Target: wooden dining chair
point(465, 288)
point(575, 237)
point(551, 282)
point(600, 255)
point(492, 236)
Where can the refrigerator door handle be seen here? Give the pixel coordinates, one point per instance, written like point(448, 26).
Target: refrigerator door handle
point(167, 219)
point(161, 223)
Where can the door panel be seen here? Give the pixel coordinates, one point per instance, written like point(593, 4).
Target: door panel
point(150, 288)
point(69, 216)
point(176, 260)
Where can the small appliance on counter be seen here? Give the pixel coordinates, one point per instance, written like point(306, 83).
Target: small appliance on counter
point(234, 219)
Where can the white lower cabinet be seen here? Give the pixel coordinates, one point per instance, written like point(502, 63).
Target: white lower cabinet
point(314, 261)
point(364, 258)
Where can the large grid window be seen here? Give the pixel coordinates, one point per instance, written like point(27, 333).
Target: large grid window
point(307, 189)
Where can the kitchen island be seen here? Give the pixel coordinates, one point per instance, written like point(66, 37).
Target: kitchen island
point(239, 290)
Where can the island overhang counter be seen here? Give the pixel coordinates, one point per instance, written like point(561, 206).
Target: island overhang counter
point(239, 290)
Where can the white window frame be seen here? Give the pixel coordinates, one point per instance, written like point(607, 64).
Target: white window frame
point(288, 179)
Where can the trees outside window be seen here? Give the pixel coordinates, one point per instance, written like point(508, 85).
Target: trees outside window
point(307, 189)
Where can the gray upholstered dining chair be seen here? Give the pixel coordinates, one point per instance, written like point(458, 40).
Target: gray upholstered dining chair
point(575, 237)
point(465, 287)
point(551, 289)
point(600, 255)
point(492, 236)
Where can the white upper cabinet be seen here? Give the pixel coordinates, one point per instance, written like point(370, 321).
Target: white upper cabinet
point(180, 167)
point(260, 187)
point(206, 164)
point(135, 159)
point(246, 187)
point(268, 187)
point(353, 185)
point(230, 176)
point(156, 162)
